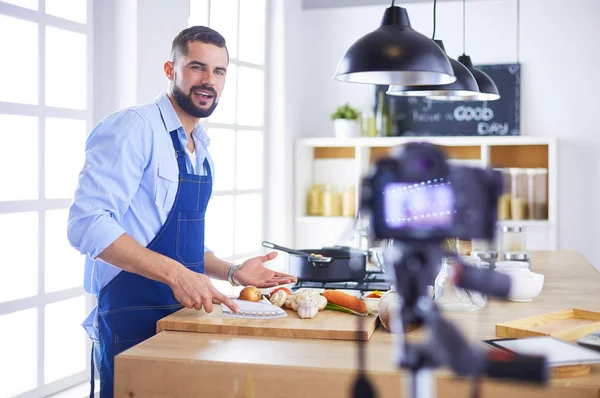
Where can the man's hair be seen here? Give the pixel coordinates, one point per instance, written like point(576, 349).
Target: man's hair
point(203, 34)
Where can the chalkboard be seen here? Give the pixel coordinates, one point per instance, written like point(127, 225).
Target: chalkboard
point(421, 116)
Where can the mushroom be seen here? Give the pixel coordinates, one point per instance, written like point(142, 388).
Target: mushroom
point(279, 298)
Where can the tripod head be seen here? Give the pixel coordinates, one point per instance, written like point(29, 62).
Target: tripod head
point(416, 199)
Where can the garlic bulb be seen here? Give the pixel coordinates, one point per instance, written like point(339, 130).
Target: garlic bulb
point(307, 308)
point(279, 298)
point(297, 298)
point(320, 300)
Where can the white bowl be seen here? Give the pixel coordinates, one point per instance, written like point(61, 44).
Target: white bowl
point(525, 285)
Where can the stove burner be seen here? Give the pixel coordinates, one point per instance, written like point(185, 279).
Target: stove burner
point(372, 281)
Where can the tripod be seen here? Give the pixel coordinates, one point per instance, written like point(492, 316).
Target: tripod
point(416, 266)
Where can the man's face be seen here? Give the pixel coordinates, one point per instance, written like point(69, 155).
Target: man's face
point(199, 78)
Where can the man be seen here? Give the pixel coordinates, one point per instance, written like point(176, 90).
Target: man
point(138, 212)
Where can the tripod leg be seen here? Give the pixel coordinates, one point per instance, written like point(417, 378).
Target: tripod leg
point(421, 384)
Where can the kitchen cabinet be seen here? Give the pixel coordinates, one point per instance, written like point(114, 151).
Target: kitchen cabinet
point(341, 163)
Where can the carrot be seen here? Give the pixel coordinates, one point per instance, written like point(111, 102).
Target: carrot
point(347, 301)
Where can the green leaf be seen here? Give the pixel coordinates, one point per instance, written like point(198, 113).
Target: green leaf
point(335, 307)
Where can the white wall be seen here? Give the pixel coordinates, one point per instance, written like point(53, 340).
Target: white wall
point(132, 41)
point(559, 60)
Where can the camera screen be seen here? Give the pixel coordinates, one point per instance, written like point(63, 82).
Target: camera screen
point(414, 205)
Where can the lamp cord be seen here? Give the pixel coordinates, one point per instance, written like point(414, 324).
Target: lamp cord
point(434, 23)
point(518, 31)
point(464, 29)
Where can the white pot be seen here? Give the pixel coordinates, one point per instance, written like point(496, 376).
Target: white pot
point(345, 128)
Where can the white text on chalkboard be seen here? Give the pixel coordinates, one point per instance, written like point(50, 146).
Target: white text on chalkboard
point(466, 114)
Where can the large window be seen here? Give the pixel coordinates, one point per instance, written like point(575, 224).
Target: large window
point(45, 102)
point(235, 215)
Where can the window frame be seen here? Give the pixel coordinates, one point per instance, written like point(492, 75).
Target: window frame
point(41, 205)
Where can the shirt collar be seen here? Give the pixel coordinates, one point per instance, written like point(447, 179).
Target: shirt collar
point(172, 122)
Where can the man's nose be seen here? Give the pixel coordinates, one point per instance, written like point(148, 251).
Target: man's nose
point(208, 79)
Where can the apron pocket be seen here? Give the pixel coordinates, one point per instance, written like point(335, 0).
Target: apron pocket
point(190, 237)
point(166, 189)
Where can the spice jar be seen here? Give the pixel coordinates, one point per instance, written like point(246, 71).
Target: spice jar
point(519, 194)
point(512, 239)
point(537, 193)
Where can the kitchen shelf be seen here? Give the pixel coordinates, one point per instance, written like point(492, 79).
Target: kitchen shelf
point(320, 219)
point(342, 162)
point(525, 223)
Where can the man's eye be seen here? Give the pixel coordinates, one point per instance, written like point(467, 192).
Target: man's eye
point(221, 72)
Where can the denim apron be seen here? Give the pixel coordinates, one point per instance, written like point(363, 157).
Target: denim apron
point(130, 305)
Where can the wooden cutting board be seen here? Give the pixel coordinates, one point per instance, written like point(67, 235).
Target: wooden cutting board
point(328, 324)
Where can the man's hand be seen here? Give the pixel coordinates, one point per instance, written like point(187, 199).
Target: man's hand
point(194, 290)
point(253, 272)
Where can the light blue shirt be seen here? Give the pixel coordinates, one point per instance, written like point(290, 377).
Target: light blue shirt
point(128, 182)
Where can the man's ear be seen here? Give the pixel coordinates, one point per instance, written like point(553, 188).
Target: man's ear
point(168, 68)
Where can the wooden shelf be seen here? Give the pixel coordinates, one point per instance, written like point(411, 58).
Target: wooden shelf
point(526, 156)
point(343, 162)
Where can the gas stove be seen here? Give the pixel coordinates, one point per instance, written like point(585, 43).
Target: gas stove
point(373, 280)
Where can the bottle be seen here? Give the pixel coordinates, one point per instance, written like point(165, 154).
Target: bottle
point(382, 118)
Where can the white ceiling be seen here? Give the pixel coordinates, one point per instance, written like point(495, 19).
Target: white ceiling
point(310, 4)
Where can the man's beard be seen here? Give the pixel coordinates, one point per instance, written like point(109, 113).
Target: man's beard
point(187, 104)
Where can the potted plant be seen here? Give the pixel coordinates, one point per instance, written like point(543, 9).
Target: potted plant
point(346, 121)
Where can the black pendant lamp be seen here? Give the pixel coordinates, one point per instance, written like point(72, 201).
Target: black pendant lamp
point(464, 85)
point(395, 54)
point(487, 88)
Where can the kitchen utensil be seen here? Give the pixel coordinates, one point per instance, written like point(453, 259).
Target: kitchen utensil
point(310, 255)
point(250, 309)
point(346, 265)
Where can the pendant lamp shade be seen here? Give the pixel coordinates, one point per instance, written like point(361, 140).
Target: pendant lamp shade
point(395, 54)
point(464, 85)
point(487, 88)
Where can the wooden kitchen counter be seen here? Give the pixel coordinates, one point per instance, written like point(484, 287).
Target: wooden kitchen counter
point(180, 364)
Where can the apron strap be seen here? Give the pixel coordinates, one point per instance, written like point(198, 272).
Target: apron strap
point(207, 168)
point(92, 380)
point(179, 152)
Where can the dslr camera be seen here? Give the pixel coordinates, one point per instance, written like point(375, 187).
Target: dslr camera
point(415, 195)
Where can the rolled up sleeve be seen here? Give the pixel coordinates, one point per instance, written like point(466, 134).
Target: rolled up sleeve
point(116, 154)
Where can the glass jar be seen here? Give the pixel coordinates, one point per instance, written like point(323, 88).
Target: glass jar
point(504, 202)
point(368, 128)
point(517, 256)
point(332, 202)
point(488, 256)
point(512, 239)
point(538, 193)
point(348, 202)
point(450, 297)
point(519, 194)
point(314, 200)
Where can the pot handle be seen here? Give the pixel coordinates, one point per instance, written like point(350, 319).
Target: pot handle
point(318, 263)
